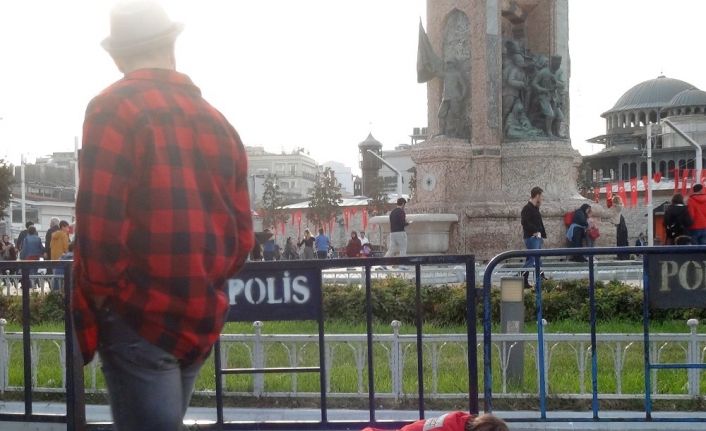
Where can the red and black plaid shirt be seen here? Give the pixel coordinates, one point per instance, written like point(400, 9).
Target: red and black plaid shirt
point(162, 215)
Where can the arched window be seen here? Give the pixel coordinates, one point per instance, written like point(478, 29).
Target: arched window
point(682, 164)
point(670, 169)
point(626, 172)
point(633, 170)
point(643, 170)
point(612, 174)
point(663, 168)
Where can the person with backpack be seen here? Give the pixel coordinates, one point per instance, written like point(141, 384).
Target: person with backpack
point(697, 211)
point(677, 220)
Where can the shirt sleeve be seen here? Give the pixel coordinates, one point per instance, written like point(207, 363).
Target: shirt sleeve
point(105, 178)
point(241, 205)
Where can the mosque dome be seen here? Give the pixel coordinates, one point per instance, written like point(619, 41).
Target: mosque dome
point(689, 97)
point(654, 93)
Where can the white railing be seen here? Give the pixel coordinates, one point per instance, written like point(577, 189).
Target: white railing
point(566, 354)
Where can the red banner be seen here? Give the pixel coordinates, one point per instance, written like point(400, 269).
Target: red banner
point(597, 194)
point(646, 186)
point(609, 195)
point(633, 192)
point(676, 180)
point(365, 219)
point(684, 182)
point(621, 193)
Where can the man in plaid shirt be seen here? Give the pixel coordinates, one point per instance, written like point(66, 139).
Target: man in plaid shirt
point(163, 220)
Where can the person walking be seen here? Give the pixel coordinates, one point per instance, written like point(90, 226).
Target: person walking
point(533, 232)
point(323, 244)
point(32, 248)
point(576, 234)
point(677, 220)
point(354, 246)
point(290, 250)
point(398, 236)
point(22, 235)
point(53, 227)
point(697, 211)
point(621, 228)
point(269, 248)
point(308, 243)
point(163, 220)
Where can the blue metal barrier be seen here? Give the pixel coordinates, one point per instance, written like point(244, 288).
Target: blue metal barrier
point(590, 253)
point(75, 417)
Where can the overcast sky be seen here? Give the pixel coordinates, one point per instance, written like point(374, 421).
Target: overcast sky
point(318, 74)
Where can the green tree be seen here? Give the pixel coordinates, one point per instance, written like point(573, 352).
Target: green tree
point(6, 180)
point(377, 198)
point(273, 203)
point(324, 199)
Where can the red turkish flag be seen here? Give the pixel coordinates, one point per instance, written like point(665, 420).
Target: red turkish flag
point(658, 177)
point(365, 219)
point(621, 192)
point(609, 195)
point(684, 182)
point(597, 194)
point(676, 180)
point(645, 183)
point(633, 192)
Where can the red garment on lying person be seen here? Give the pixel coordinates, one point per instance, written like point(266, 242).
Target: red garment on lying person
point(454, 421)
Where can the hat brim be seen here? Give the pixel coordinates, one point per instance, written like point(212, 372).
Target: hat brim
point(132, 47)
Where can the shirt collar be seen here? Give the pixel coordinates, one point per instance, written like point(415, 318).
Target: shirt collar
point(163, 75)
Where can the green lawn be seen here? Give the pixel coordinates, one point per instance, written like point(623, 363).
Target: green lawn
point(452, 376)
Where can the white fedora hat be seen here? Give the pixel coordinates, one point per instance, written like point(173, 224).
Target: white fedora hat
point(139, 25)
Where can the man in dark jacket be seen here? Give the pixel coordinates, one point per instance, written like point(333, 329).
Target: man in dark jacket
point(532, 226)
point(53, 227)
point(676, 220)
point(22, 235)
point(697, 211)
point(398, 236)
point(577, 231)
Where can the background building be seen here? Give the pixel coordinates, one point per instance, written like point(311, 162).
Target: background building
point(344, 175)
point(624, 155)
point(295, 171)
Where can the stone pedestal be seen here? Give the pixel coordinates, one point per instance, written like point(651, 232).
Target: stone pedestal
point(443, 171)
point(426, 234)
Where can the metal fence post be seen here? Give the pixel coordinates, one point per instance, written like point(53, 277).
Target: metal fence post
point(258, 360)
point(4, 358)
point(693, 358)
point(395, 355)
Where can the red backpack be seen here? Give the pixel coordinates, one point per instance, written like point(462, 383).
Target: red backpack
point(568, 218)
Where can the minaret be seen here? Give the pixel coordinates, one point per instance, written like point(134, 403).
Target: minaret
point(369, 164)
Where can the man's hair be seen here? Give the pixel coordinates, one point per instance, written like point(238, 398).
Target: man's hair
point(536, 191)
point(63, 224)
point(28, 224)
point(321, 231)
point(31, 230)
point(698, 188)
point(678, 199)
point(486, 422)
point(401, 201)
point(54, 222)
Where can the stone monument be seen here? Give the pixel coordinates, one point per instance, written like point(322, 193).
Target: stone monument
point(497, 74)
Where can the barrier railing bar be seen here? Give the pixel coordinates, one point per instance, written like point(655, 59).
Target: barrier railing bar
point(471, 319)
point(219, 382)
point(322, 355)
point(594, 352)
point(273, 370)
point(646, 334)
point(26, 343)
point(75, 398)
point(540, 340)
point(420, 347)
point(369, 330)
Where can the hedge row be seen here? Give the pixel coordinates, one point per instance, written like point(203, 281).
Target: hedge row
point(442, 305)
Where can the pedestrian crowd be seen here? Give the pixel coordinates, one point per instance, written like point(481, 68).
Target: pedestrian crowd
point(309, 247)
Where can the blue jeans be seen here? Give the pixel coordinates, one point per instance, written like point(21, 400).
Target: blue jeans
point(532, 243)
point(147, 387)
point(698, 236)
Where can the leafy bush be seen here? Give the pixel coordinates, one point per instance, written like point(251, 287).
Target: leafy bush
point(395, 299)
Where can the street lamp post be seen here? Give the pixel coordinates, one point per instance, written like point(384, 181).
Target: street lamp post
point(650, 211)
